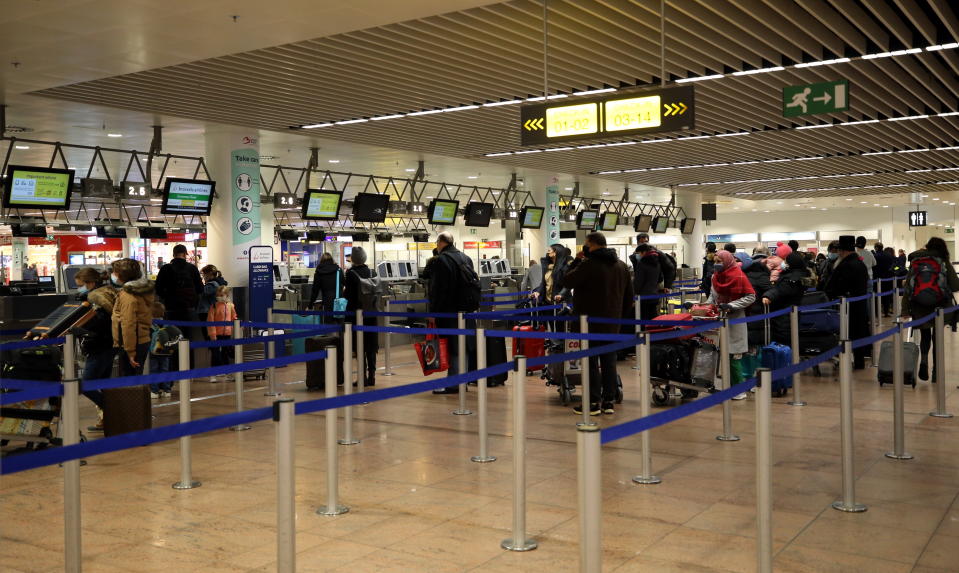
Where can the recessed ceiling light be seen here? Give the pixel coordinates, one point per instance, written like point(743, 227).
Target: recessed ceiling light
point(935, 198)
point(114, 135)
point(605, 192)
point(875, 204)
point(885, 206)
point(863, 202)
point(411, 170)
point(471, 176)
point(766, 211)
point(797, 205)
point(429, 196)
point(334, 160)
point(22, 146)
point(754, 210)
point(849, 199)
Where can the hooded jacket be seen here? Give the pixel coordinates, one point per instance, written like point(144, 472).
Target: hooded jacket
point(132, 316)
point(601, 287)
point(96, 335)
point(324, 284)
point(559, 270)
point(646, 273)
point(208, 298)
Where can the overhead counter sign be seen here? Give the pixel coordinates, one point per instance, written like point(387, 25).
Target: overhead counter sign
point(610, 115)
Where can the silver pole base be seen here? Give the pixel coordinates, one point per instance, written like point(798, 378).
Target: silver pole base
point(938, 415)
point(461, 412)
point(895, 456)
point(794, 403)
point(338, 510)
point(387, 374)
point(191, 485)
point(482, 460)
point(240, 428)
point(527, 545)
point(345, 442)
point(729, 438)
point(651, 480)
point(854, 508)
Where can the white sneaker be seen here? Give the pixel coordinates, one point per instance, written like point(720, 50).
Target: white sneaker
point(166, 394)
point(740, 396)
point(155, 395)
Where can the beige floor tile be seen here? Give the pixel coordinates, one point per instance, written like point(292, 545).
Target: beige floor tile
point(469, 546)
point(796, 559)
point(647, 564)
point(329, 555)
point(394, 529)
point(881, 513)
point(950, 524)
point(850, 536)
point(741, 520)
point(942, 552)
point(388, 561)
point(706, 549)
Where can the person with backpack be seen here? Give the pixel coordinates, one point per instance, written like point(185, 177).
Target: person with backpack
point(163, 343)
point(454, 287)
point(179, 287)
point(847, 276)
point(361, 284)
point(929, 286)
point(667, 263)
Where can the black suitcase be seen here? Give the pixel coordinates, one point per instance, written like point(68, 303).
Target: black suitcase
point(812, 343)
point(670, 362)
point(495, 354)
point(35, 363)
point(126, 410)
point(316, 369)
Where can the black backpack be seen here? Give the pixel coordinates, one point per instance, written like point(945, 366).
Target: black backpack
point(467, 283)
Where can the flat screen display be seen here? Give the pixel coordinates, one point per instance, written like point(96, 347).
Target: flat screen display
point(478, 214)
point(660, 224)
point(687, 226)
point(152, 233)
point(37, 188)
point(320, 205)
point(531, 217)
point(586, 220)
point(608, 221)
point(111, 232)
point(442, 212)
point(28, 230)
point(642, 223)
point(187, 197)
point(102, 188)
point(370, 207)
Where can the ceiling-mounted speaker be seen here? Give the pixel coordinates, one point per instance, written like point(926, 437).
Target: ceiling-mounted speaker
point(708, 212)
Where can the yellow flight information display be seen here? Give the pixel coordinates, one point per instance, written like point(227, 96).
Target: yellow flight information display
point(615, 114)
point(572, 120)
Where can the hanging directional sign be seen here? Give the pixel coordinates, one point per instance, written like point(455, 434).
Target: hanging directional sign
point(917, 218)
point(615, 114)
point(809, 99)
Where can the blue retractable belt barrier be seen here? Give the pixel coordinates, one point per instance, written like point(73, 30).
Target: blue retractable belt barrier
point(506, 294)
point(758, 317)
point(867, 341)
point(53, 389)
point(411, 330)
point(31, 343)
point(373, 313)
point(261, 339)
point(819, 305)
point(558, 335)
point(859, 298)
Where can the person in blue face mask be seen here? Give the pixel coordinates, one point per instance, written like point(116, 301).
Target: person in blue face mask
point(825, 269)
point(88, 279)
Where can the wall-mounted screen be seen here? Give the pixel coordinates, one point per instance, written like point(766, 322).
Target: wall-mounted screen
point(478, 214)
point(442, 212)
point(187, 197)
point(687, 226)
point(28, 230)
point(531, 217)
point(152, 233)
point(608, 221)
point(660, 224)
point(37, 188)
point(642, 223)
point(320, 205)
point(586, 220)
point(111, 232)
point(370, 207)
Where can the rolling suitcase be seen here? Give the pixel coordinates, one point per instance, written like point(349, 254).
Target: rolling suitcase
point(775, 356)
point(316, 369)
point(126, 410)
point(910, 356)
point(669, 362)
point(819, 320)
point(298, 345)
point(495, 354)
point(529, 347)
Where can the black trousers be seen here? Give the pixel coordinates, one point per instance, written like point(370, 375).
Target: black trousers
point(602, 375)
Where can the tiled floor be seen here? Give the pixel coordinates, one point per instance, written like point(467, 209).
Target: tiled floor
point(419, 504)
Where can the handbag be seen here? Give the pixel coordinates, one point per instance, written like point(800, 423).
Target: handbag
point(432, 353)
point(704, 310)
point(339, 303)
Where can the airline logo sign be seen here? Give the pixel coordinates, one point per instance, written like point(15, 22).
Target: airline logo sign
point(917, 218)
point(609, 115)
point(810, 99)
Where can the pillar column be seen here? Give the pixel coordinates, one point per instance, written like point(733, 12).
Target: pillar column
point(234, 224)
point(693, 245)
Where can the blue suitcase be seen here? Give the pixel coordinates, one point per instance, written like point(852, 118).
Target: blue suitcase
point(775, 356)
point(299, 344)
point(819, 320)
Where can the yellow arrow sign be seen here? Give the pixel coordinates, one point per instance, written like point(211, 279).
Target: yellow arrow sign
point(674, 109)
point(533, 124)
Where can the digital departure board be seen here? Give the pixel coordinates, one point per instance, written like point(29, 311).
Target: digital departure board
point(608, 115)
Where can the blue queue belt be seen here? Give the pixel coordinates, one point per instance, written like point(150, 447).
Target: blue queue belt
point(31, 343)
point(507, 294)
point(261, 339)
point(52, 389)
point(161, 322)
point(869, 340)
point(758, 317)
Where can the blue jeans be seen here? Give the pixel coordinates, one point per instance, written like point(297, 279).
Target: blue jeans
point(97, 367)
point(159, 365)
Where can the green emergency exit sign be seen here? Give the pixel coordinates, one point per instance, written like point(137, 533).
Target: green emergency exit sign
point(810, 99)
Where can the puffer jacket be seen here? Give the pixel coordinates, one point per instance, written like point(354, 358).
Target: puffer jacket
point(601, 288)
point(96, 335)
point(132, 316)
point(221, 312)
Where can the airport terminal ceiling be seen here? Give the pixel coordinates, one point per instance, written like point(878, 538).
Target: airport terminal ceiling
point(899, 135)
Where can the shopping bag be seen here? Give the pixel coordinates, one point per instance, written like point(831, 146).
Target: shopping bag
point(704, 310)
point(433, 355)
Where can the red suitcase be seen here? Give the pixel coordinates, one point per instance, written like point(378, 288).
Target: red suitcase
point(529, 347)
point(682, 317)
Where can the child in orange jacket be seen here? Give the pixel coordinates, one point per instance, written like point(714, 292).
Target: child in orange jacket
point(222, 310)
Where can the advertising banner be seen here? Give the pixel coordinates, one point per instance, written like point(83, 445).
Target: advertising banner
point(552, 214)
point(245, 196)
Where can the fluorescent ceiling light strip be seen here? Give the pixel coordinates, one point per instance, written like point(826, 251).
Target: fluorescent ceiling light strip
point(499, 103)
point(948, 113)
point(382, 117)
point(942, 47)
point(759, 71)
point(558, 149)
point(425, 112)
point(316, 125)
point(695, 137)
point(459, 108)
point(815, 126)
point(349, 121)
point(527, 151)
point(908, 117)
point(700, 78)
point(500, 154)
point(620, 143)
point(733, 134)
point(593, 92)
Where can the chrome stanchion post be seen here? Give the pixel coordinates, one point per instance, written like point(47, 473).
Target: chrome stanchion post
point(764, 477)
point(586, 403)
point(639, 328)
point(794, 342)
point(271, 354)
point(898, 409)
point(645, 396)
point(939, 364)
point(896, 302)
point(461, 410)
point(725, 359)
point(848, 501)
point(238, 376)
point(186, 451)
point(70, 418)
point(348, 439)
point(483, 456)
point(388, 364)
point(519, 542)
point(283, 413)
point(843, 318)
point(589, 483)
point(360, 353)
point(332, 507)
point(874, 330)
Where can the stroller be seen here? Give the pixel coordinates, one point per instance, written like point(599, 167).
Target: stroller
point(568, 374)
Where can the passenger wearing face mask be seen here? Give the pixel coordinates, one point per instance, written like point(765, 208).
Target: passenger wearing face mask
point(827, 265)
point(732, 292)
point(554, 265)
point(223, 310)
point(88, 279)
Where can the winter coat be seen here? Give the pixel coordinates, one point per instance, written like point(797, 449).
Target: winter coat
point(738, 333)
point(533, 278)
point(324, 284)
point(646, 273)
point(96, 335)
point(667, 266)
point(208, 298)
point(787, 292)
point(132, 315)
point(558, 272)
point(601, 287)
point(221, 312)
point(910, 308)
point(884, 268)
point(758, 275)
point(179, 299)
point(869, 260)
point(849, 278)
point(352, 295)
point(707, 283)
point(444, 280)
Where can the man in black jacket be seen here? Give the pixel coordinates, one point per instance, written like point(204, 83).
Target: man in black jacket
point(601, 287)
point(446, 294)
point(179, 287)
point(850, 278)
point(646, 273)
point(667, 264)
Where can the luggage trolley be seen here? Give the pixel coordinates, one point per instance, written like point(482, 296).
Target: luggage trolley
point(683, 366)
point(568, 374)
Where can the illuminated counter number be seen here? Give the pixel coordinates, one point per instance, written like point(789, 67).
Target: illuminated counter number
point(633, 113)
point(572, 120)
